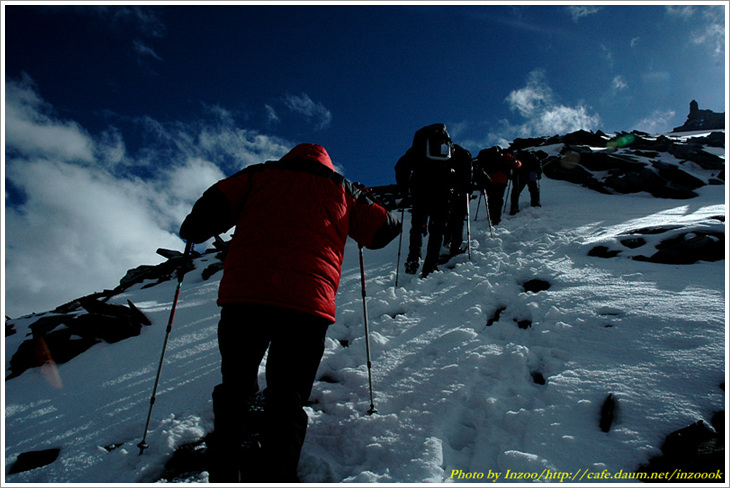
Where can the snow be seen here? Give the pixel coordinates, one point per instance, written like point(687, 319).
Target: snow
point(455, 398)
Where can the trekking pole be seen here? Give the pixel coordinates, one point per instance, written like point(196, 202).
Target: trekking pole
point(489, 217)
point(400, 241)
point(468, 227)
point(367, 333)
point(479, 202)
point(143, 445)
point(506, 200)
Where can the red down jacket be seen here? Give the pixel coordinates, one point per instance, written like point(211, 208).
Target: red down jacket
point(292, 218)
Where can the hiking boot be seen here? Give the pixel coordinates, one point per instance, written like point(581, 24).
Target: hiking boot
point(411, 267)
point(222, 461)
point(428, 269)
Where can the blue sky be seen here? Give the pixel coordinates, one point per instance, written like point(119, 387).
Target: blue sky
point(117, 117)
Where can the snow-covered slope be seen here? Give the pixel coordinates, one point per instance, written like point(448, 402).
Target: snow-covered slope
point(520, 395)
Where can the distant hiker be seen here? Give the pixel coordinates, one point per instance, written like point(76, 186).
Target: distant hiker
point(454, 234)
point(424, 173)
point(528, 174)
point(282, 270)
point(499, 166)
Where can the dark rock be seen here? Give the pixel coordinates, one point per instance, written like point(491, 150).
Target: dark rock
point(212, 269)
point(602, 161)
point(585, 138)
point(608, 412)
point(654, 230)
point(109, 328)
point(524, 324)
point(603, 252)
point(137, 275)
point(61, 347)
point(701, 119)
point(676, 176)
point(535, 285)
point(138, 314)
point(633, 242)
point(34, 459)
point(566, 169)
point(696, 153)
point(47, 323)
point(618, 169)
point(689, 248)
point(94, 306)
point(495, 317)
point(169, 253)
point(328, 378)
point(51, 342)
point(696, 454)
point(112, 447)
point(161, 272)
point(714, 139)
point(685, 441)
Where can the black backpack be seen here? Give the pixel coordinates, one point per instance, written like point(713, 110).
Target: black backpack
point(490, 157)
point(434, 142)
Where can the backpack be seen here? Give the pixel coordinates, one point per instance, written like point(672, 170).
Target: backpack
point(434, 142)
point(488, 158)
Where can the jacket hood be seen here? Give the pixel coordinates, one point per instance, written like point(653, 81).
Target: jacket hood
point(312, 152)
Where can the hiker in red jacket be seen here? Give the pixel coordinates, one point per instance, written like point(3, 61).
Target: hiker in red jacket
point(280, 278)
point(499, 166)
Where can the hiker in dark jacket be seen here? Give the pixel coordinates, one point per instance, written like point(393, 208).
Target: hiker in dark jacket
point(425, 174)
point(499, 165)
point(527, 175)
point(281, 274)
point(454, 235)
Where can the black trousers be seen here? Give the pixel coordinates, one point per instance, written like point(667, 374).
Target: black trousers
point(432, 213)
point(454, 234)
point(295, 343)
point(529, 180)
point(495, 194)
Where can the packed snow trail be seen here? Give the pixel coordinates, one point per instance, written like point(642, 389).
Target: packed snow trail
point(456, 394)
point(452, 393)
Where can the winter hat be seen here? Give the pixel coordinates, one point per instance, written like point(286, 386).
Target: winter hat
point(312, 152)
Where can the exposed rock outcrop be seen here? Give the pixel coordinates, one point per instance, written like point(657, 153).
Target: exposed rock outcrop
point(701, 119)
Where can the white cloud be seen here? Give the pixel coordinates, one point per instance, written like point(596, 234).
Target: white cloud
point(608, 53)
point(83, 217)
point(144, 50)
point(536, 102)
point(580, 11)
point(680, 11)
point(713, 34)
point(125, 18)
point(314, 112)
point(711, 30)
point(78, 231)
point(241, 146)
point(618, 83)
point(658, 122)
point(533, 98)
point(34, 132)
point(271, 116)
